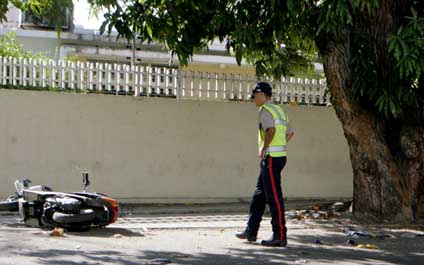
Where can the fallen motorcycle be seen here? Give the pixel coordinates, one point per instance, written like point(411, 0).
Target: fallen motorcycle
point(40, 206)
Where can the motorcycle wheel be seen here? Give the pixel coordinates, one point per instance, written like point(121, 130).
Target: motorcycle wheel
point(9, 205)
point(86, 215)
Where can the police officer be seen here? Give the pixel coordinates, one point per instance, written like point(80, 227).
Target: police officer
point(274, 133)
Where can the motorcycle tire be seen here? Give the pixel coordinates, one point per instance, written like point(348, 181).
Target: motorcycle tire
point(86, 215)
point(9, 205)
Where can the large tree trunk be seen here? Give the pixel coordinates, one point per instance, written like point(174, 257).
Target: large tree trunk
point(387, 155)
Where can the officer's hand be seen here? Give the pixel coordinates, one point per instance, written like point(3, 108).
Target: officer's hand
point(262, 154)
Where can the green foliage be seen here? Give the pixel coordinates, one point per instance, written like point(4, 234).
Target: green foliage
point(336, 15)
point(257, 30)
point(10, 47)
point(3, 10)
point(386, 73)
point(407, 46)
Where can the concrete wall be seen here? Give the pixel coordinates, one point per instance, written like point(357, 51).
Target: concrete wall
point(45, 42)
point(162, 150)
point(48, 46)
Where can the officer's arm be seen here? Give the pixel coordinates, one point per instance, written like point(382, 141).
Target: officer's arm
point(269, 135)
point(289, 136)
point(289, 132)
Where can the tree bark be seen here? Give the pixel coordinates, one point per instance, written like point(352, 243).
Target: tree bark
point(387, 155)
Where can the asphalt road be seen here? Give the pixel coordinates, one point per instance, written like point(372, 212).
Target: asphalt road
point(206, 239)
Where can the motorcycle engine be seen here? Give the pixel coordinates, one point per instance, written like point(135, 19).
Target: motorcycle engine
point(66, 204)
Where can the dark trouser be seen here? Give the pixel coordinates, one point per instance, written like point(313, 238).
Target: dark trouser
point(268, 190)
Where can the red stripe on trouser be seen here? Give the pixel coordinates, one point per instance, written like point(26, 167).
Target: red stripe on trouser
point(277, 201)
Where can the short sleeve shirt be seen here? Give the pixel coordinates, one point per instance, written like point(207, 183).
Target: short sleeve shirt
point(267, 121)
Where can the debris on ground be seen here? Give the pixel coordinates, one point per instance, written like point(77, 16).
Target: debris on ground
point(341, 206)
point(356, 234)
point(320, 211)
point(368, 246)
point(310, 214)
point(57, 232)
point(118, 236)
point(351, 242)
point(316, 207)
point(315, 215)
point(158, 261)
point(384, 236)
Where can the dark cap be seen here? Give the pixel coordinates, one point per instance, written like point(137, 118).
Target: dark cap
point(262, 87)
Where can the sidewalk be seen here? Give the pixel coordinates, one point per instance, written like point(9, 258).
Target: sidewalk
point(208, 238)
point(230, 207)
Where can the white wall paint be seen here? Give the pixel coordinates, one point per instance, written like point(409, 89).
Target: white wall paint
point(162, 150)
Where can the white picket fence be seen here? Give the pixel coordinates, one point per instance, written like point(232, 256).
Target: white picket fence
point(151, 81)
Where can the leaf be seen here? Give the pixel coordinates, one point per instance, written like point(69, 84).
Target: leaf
point(149, 31)
point(393, 108)
point(293, 6)
point(18, 4)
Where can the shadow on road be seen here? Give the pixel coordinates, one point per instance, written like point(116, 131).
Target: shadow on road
point(106, 232)
point(301, 251)
point(125, 246)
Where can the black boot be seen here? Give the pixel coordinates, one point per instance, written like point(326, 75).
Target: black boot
point(247, 234)
point(274, 242)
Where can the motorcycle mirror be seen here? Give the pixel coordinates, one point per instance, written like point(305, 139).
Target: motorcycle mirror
point(85, 180)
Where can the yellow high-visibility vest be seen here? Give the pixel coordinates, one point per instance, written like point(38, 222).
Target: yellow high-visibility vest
point(278, 145)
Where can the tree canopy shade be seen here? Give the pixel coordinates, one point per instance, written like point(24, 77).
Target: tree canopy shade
point(247, 27)
point(373, 57)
